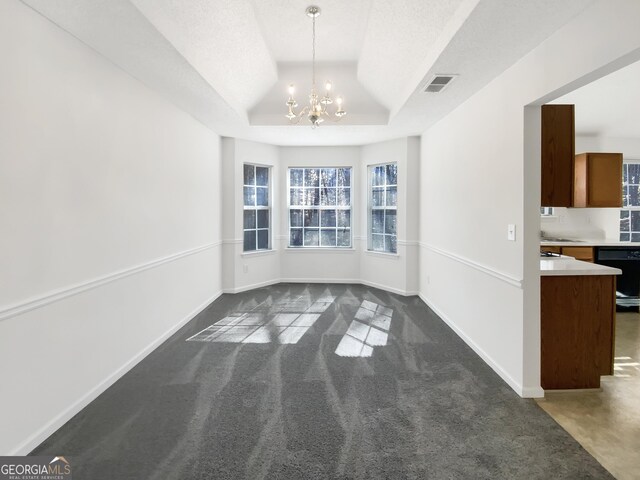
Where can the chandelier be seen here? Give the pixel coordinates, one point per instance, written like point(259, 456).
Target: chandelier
point(316, 111)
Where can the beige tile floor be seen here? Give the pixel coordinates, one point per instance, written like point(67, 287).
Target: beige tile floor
point(607, 422)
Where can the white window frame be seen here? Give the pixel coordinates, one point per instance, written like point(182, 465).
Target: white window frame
point(625, 199)
point(371, 208)
point(257, 208)
point(546, 212)
point(320, 208)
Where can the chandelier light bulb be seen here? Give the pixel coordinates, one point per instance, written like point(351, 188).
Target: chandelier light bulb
point(328, 86)
point(292, 89)
point(339, 101)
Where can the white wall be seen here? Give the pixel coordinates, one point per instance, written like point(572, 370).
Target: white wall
point(481, 171)
point(319, 264)
point(244, 271)
point(395, 272)
point(110, 207)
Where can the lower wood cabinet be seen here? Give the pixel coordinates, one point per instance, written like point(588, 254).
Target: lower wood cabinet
point(579, 253)
point(577, 317)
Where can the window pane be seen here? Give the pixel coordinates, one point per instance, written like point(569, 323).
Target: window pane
point(390, 222)
point(295, 237)
point(378, 175)
point(392, 174)
point(249, 219)
point(249, 240)
point(249, 196)
point(390, 243)
point(635, 237)
point(624, 237)
point(377, 221)
point(311, 218)
point(344, 177)
point(344, 238)
point(328, 218)
point(344, 197)
point(311, 197)
point(321, 191)
point(328, 238)
point(295, 218)
point(296, 176)
point(328, 177)
point(311, 177)
point(262, 176)
point(249, 175)
point(296, 197)
point(328, 196)
point(263, 218)
point(311, 237)
point(392, 193)
point(633, 177)
point(625, 196)
point(344, 218)
point(634, 199)
point(635, 221)
point(263, 239)
point(624, 174)
point(624, 221)
point(262, 198)
point(377, 243)
point(377, 197)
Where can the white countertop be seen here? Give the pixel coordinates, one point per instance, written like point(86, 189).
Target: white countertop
point(570, 266)
point(590, 242)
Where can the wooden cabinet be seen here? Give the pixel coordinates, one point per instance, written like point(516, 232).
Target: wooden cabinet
point(579, 253)
point(570, 180)
point(577, 320)
point(557, 155)
point(598, 180)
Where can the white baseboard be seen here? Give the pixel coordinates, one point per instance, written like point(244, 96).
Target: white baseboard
point(45, 432)
point(250, 287)
point(319, 280)
point(525, 392)
point(387, 288)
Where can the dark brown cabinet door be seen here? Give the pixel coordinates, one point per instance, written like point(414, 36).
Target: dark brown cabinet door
point(558, 154)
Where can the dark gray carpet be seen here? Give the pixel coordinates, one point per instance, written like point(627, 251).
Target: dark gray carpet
point(424, 406)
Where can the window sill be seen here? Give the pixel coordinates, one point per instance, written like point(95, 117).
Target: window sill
point(373, 253)
point(258, 253)
point(320, 249)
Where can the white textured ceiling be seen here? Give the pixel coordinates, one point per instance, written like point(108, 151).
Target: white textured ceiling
point(609, 106)
point(227, 62)
point(340, 29)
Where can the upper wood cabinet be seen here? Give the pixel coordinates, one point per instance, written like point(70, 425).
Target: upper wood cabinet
point(598, 180)
point(567, 180)
point(558, 153)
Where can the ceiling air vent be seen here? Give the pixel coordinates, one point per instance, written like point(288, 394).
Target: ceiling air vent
point(439, 82)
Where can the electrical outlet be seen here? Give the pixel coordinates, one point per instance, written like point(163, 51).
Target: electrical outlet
point(511, 232)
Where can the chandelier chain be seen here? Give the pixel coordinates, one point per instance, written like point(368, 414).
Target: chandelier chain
point(313, 50)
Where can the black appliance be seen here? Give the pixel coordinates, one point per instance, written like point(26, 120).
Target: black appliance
point(626, 259)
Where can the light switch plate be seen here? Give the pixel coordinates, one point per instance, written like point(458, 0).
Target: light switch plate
point(511, 232)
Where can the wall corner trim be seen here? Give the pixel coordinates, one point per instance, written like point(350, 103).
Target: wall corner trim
point(46, 431)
